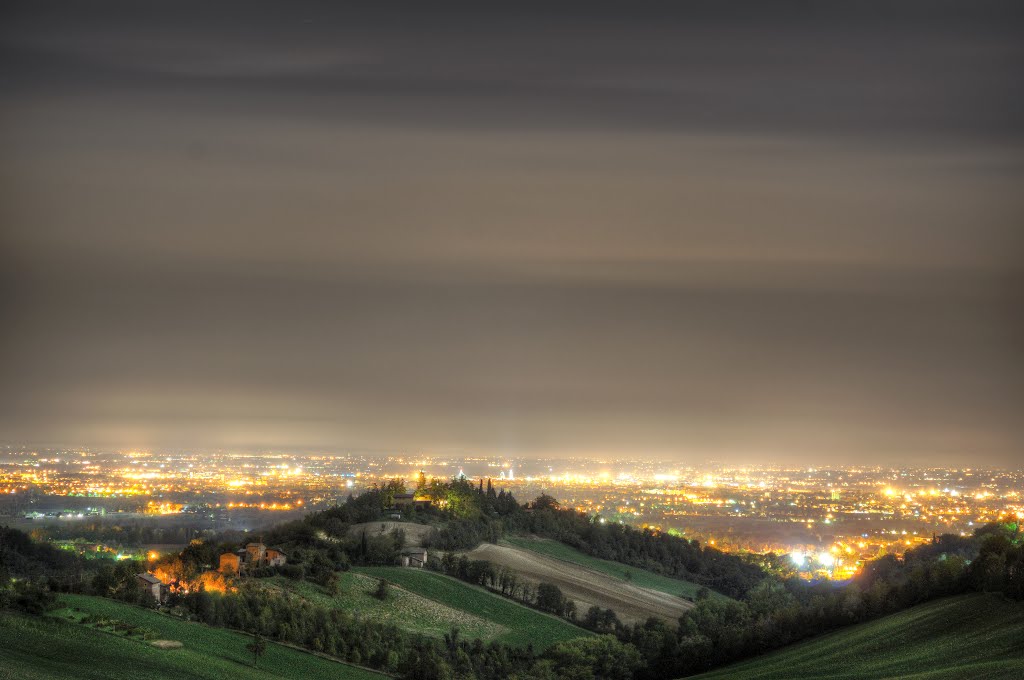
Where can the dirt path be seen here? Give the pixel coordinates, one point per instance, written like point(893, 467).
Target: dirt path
point(586, 586)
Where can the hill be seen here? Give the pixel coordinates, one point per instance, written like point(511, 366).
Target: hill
point(586, 585)
point(622, 572)
point(403, 608)
point(52, 648)
point(521, 624)
point(414, 533)
point(969, 636)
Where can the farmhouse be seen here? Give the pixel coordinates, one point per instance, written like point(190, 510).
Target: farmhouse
point(253, 555)
point(409, 500)
point(414, 557)
point(152, 585)
point(275, 558)
point(403, 500)
point(230, 563)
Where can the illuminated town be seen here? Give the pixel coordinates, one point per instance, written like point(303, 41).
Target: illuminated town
point(828, 521)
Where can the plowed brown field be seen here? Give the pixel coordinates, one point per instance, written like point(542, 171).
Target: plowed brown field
point(586, 586)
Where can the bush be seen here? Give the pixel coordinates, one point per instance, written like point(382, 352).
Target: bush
point(383, 588)
point(29, 597)
point(551, 599)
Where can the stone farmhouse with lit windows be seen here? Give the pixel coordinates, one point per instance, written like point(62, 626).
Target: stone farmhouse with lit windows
point(252, 556)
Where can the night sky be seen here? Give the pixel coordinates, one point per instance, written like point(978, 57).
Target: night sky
point(720, 231)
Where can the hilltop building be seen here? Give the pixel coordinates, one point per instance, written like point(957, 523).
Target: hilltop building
point(252, 556)
point(409, 500)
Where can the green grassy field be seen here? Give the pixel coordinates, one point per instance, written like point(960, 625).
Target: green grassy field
point(403, 608)
point(959, 638)
point(640, 577)
point(523, 625)
point(51, 648)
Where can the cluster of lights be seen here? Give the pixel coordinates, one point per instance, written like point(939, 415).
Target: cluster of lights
point(164, 508)
point(801, 560)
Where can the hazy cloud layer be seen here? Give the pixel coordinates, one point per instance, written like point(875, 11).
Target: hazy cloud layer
point(790, 234)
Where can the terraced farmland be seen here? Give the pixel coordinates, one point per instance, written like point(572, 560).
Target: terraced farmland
point(638, 577)
point(51, 649)
point(523, 625)
point(585, 585)
point(959, 638)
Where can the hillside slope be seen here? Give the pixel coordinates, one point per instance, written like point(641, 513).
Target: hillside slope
point(403, 608)
point(414, 533)
point(585, 585)
point(521, 625)
point(50, 649)
point(621, 572)
point(969, 636)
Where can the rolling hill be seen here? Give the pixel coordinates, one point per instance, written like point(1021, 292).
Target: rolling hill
point(959, 638)
point(404, 608)
point(586, 585)
point(638, 577)
point(52, 648)
point(520, 624)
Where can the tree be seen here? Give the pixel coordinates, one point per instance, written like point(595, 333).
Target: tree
point(104, 582)
point(332, 584)
point(203, 605)
point(550, 598)
point(545, 502)
point(258, 647)
point(601, 620)
point(592, 658)
point(389, 491)
point(382, 590)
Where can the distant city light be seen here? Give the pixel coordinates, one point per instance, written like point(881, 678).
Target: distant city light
point(853, 515)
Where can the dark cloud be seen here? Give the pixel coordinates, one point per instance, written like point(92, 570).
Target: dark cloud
point(787, 233)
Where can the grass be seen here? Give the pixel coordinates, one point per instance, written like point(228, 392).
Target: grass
point(617, 570)
point(523, 625)
point(53, 647)
point(403, 608)
point(969, 636)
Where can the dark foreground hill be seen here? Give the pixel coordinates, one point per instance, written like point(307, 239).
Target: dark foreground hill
point(970, 636)
point(57, 647)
